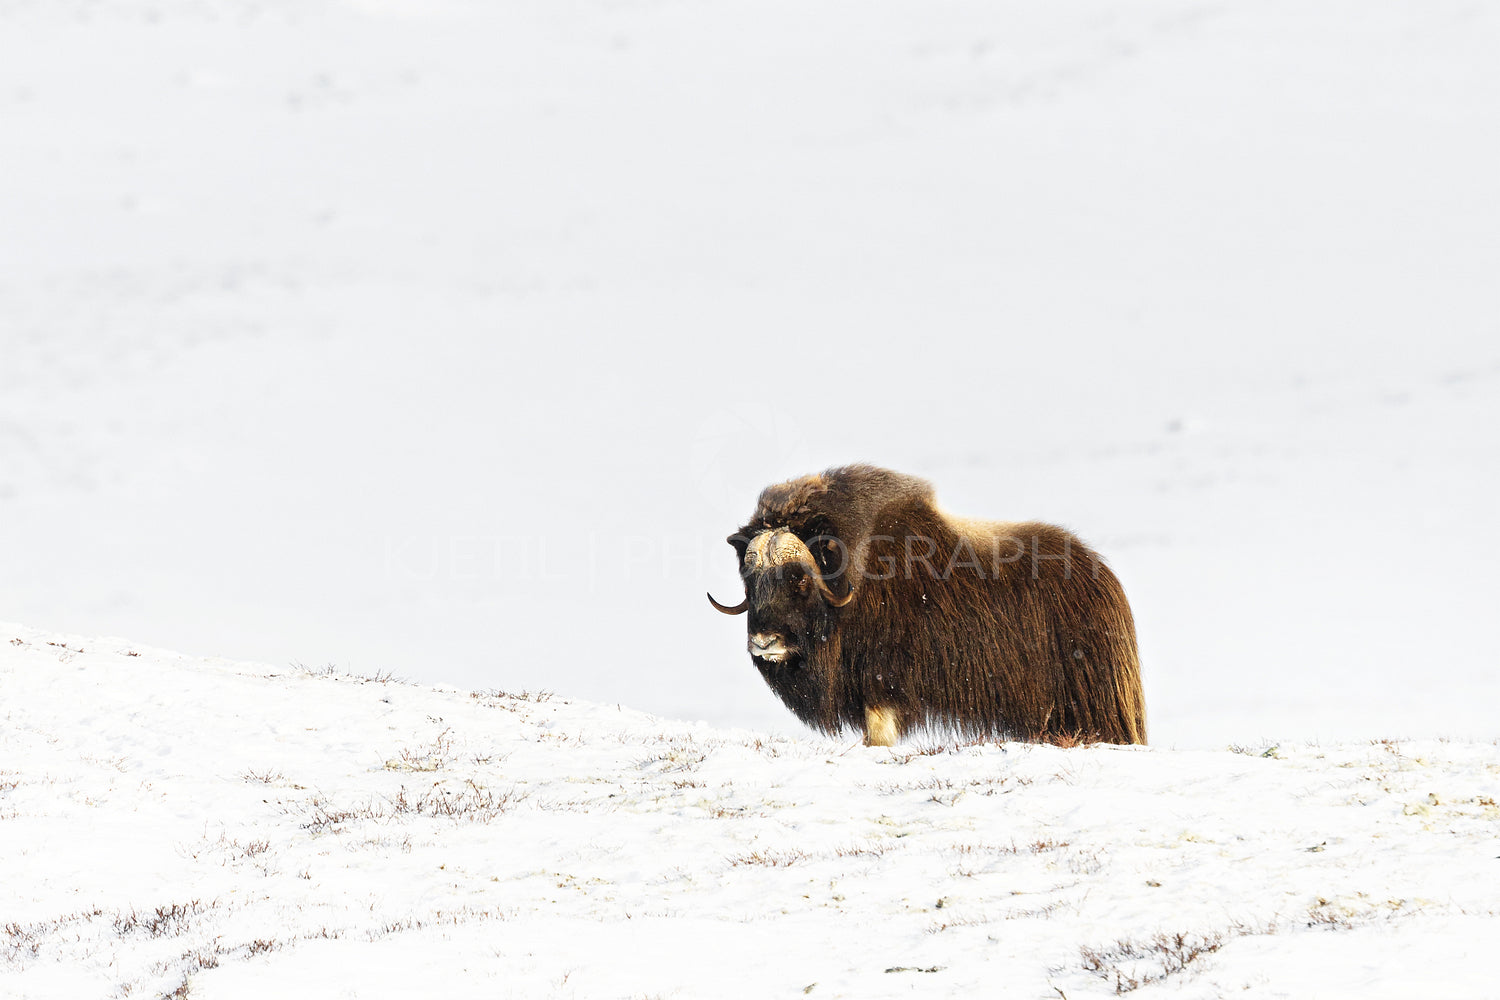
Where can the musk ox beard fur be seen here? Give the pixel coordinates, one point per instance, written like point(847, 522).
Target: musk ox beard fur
point(869, 608)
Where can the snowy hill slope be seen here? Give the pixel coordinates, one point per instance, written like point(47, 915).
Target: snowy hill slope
point(214, 829)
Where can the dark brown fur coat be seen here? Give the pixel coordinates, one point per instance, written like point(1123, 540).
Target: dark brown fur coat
point(986, 628)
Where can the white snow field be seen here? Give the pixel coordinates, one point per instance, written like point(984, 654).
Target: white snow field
point(173, 826)
point(447, 340)
point(451, 337)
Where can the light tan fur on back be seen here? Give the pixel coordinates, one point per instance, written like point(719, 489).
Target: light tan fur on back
point(976, 529)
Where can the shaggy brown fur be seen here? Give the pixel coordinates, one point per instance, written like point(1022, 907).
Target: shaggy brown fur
point(891, 616)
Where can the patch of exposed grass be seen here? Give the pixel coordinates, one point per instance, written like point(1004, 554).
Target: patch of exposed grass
point(20, 941)
point(430, 757)
point(676, 758)
point(769, 858)
point(1130, 964)
point(860, 851)
point(167, 920)
point(343, 673)
point(472, 803)
point(495, 694)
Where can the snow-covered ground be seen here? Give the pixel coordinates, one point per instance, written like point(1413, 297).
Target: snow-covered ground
point(451, 338)
point(447, 339)
point(214, 830)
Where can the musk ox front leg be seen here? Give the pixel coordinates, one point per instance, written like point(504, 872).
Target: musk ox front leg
point(882, 727)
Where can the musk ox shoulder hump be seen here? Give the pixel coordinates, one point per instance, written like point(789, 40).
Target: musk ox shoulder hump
point(853, 496)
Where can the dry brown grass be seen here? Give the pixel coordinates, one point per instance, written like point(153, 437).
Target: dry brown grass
point(769, 858)
point(860, 851)
point(471, 803)
point(167, 920)
point(538, 696)
point(1130, 964)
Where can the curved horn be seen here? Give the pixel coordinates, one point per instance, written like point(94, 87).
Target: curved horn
point(828, 593)
point(780, 546)
point(738, 609)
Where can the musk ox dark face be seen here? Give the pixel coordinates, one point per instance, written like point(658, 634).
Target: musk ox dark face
point(789, 603)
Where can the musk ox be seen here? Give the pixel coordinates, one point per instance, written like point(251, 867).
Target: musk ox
point(872, 609)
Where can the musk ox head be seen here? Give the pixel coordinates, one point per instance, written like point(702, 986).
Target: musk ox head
point(793, 590)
